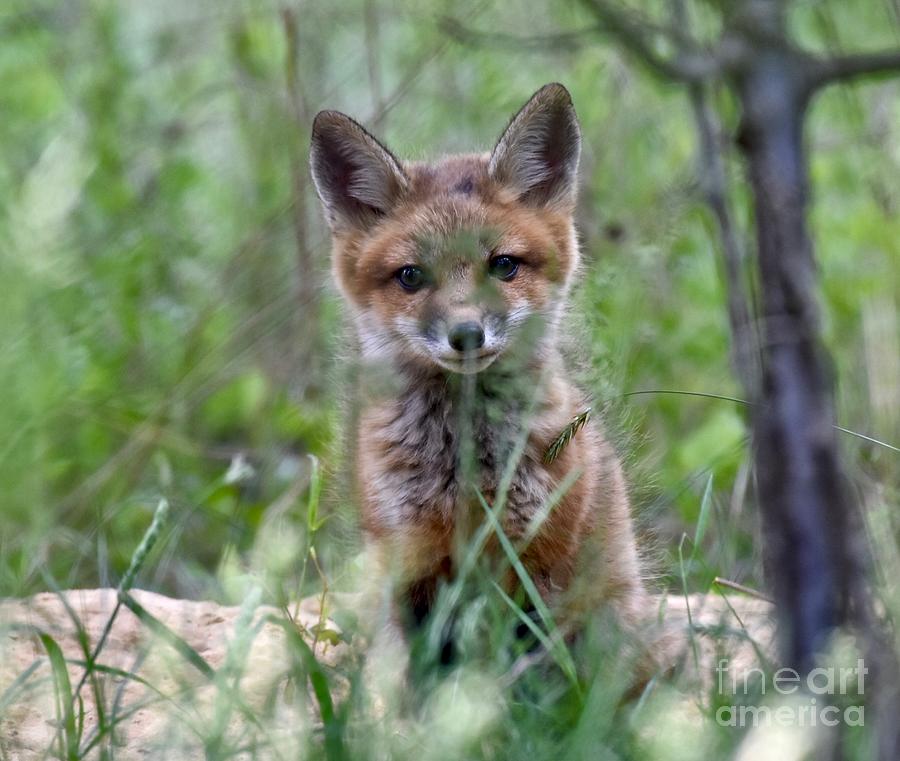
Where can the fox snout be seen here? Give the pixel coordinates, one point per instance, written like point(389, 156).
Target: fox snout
point(466, 340)
point(466, 336)
point(460, 327)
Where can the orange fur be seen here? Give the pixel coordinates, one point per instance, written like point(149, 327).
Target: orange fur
point(452, 219)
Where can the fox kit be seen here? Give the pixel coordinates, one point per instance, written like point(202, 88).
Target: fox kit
point(457, 273)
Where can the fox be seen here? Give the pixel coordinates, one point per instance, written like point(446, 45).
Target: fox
point(457, 275)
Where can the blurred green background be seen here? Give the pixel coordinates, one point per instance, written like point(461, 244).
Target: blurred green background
point(168, 325)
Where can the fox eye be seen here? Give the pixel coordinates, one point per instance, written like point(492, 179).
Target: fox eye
point(503, 267)
point(411, 277)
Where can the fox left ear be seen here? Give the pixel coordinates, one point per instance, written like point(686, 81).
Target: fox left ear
point(357, 178)
point(537, 156)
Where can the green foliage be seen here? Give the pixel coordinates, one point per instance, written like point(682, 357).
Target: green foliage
point(167, 325)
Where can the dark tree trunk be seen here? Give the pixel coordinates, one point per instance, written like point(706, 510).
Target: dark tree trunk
point(801, 490)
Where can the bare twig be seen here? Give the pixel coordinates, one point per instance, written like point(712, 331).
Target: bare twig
point(307, 293)
point(370, 26)
point(636, 34)
point(548, 42)
point(406, 84)
point(713, 182)
point(714, 185)
point(720, 582)
point(412, 76)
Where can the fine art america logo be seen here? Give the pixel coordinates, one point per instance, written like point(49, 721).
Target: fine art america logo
point(824, 697)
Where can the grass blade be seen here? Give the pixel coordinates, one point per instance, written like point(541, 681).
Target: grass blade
point(165, 633)
point(160, 516)
point(18, 683)
point(560, 652)
point(308, 666)
point(702, 521)
point(64, 696)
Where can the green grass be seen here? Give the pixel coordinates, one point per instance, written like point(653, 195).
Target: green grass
point(498, 699)
point(169, 335)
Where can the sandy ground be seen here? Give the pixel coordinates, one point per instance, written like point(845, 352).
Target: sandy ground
point(167, 708)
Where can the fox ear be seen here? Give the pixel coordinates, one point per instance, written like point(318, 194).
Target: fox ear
point(537, 155)
point(357, 178)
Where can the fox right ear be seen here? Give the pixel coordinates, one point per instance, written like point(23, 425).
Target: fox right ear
point(357, 178)
point(537, 155)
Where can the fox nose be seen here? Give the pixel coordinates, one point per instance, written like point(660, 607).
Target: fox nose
point(466, 336)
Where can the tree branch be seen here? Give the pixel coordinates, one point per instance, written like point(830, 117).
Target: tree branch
point(691, 64)
point(714, 186)
point(568, 40)
point(826, 71)
point(636, 33)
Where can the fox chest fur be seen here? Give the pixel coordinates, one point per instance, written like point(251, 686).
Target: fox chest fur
point(432, 459)
point(428, 454)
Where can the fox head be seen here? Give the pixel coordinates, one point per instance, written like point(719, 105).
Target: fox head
point(454, 264)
